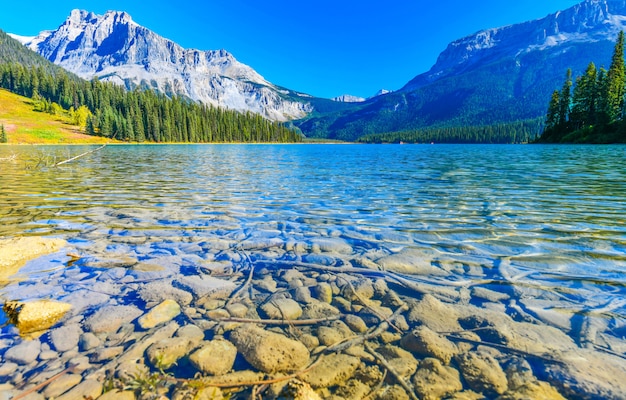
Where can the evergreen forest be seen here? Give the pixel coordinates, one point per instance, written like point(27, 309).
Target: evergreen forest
point(108, 110)
point(515, 132)
point(591, 108)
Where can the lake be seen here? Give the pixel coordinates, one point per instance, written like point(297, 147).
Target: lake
point(522, 247)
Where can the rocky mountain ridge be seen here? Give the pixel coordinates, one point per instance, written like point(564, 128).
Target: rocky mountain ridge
point(116, 49)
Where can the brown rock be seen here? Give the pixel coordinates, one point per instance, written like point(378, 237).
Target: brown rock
point(269, 351)
point(434, 381)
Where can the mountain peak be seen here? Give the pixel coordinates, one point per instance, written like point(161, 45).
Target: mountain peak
point(114, 48)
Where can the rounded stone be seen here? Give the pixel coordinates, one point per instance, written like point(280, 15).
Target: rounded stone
point(269, 351)
point(160, 314)
point(216, 357)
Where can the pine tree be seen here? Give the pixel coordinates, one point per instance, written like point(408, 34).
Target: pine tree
point(3, 135)
point(584, 99)
point(616, 82)
point(553, 117)
point(565, 99)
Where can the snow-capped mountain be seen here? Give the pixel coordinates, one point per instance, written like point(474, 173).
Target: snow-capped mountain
point(495, 76)
point(591, 21)
point(116, 49)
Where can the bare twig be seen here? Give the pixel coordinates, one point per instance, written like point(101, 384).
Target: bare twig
point(407, 387)
point(295, 322)
point(45, 383)
point(242, 288)
point(375, 390)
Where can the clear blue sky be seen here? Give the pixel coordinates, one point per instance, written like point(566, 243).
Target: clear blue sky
point(325, 47)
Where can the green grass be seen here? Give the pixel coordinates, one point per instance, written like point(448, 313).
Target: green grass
point(24, 125)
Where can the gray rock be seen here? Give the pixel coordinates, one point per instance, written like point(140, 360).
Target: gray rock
point(334, 369)
point(88, 341)
point(89, 388)
point(412, 261)
point(7, 369)
point(269, 351)
point(204, 285)
point(331, 245)
point(61, 385)
point(191, 332)
point(66, 337)
point(433, 381)
point(282, 308)
point(109, 319)
point(302, 294)
point(106, 353)
point(216, 357)
point(48, 355)
point(82, 299)
point(425, 342)
point(159, 291)
point(24, 353)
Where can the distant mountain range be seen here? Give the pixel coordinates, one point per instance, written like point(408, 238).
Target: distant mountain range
point(495, 76)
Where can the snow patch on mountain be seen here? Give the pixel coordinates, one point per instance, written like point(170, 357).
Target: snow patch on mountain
point(116, 49)
point(348, 98)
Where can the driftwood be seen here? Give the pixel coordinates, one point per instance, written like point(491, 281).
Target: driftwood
point(79, 156)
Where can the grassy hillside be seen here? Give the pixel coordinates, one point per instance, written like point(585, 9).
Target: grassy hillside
point(26, 126)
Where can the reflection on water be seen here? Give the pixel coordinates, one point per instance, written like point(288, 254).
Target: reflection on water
point(540, 221)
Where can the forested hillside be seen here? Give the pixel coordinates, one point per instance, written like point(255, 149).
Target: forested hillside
point(519, 132)
point(109, 110)
point(592, 110)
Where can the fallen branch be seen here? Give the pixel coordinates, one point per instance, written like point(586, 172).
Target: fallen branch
point(79, 156)
point(504, 348)
point(243, 287)
point(407, 387)
point(295, 322)
point(45, 383)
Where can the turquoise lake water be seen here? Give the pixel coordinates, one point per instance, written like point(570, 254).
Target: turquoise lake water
point(539, 221)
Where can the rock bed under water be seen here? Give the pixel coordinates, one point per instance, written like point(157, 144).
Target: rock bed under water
point(340, 316)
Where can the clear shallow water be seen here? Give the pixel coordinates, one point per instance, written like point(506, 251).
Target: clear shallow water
point(549, 221)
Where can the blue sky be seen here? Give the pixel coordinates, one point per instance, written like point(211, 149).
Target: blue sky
point(325, 47)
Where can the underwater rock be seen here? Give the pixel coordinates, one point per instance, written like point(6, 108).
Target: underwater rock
point(282, 308)
point(66, 337)
point(425, 342)
point(24, 353)
point(35, 316)
point(160, 314)
point(331, 370)
point(110, 318)
point(15, 252)
point(482, 372)
point(434, 381)
point(269, 351)
point(216, 357)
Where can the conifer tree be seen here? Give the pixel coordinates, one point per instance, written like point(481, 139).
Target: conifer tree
point(3, 135)
point(616, 82)
point(584, 99)
point(553, 117)
point(565, 99)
